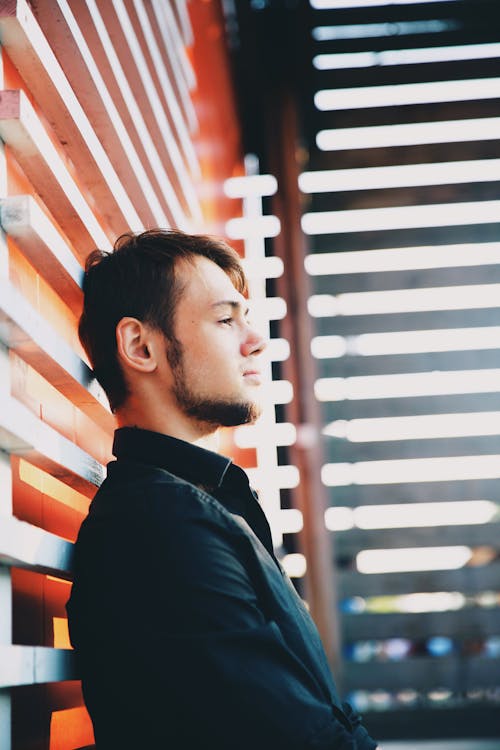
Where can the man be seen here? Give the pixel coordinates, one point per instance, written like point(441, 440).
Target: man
point(188, 633)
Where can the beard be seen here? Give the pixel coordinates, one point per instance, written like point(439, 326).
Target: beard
point(216, 412)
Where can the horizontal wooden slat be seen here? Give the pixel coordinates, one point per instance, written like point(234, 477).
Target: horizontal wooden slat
point(473, 622)
point(72, 50)
point(172, 143)
point(25, 546)
point(43, 245)
point(27, 665)
point(452, 673)
point(23, 132)
point(160, 70)
point(475, 535)
point(98, 35)
point(183, 77)
point(24, 331)
point(184, 21)
point(468, 580)
point(30, 52)
point(22, 434)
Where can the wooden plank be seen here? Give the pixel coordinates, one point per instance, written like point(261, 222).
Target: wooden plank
point(33, 665)
point(183, 76)
point(420, 673)
point(24, 331)
point(169, 150)
point(159, 70)
point(472, 622)
point(468, 580)
point(349, 543)
point(22, 434)
point(23, 545)
point(30, 52)
point(97, 34)
point(22, 130)
point(41, 242)
point(72, 50)
point(174, 42)
point(181, 11)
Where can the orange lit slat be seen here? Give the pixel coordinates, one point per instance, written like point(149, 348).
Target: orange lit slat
point(70, 728)
point(22, 130)
point(40, 241)
point(31, 54)
point(26, 333)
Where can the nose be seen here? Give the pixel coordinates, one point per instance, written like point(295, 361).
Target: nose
point(254, 343)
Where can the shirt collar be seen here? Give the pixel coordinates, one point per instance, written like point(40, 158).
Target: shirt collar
point(185, 460)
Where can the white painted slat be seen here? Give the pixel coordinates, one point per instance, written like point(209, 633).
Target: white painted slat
point(167, 194)
point(22, 130)
point(26, 546)
point(135, 56)
point(71, 47)
point(28, 665)
point(183, 73)
point(41, 242)
point(26, 332)
point(401, 217)
point(22, 434)
point(185, 23)
point(30, 52)
point(180, 121)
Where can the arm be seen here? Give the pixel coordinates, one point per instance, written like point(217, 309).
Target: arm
point(213, 641)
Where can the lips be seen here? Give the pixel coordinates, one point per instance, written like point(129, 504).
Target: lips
point(253, 376)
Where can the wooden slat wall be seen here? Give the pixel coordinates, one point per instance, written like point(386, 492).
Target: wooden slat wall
point(113, 116)
point(345, 260)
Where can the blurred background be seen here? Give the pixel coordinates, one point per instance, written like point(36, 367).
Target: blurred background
point(350, 151)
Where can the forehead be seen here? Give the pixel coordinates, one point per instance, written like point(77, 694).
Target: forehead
point(205, 283)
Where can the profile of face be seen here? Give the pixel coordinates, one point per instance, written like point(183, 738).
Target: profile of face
point(214, 358)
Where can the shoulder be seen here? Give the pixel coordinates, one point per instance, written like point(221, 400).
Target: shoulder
point(153, 496)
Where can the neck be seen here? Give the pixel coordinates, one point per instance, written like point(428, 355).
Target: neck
point(169, 422)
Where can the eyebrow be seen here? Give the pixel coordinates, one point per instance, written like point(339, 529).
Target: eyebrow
point(233, 304)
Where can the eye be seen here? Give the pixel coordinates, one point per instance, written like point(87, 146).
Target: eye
point(226, 321)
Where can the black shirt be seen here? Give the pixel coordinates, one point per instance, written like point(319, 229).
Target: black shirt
point(188, 632)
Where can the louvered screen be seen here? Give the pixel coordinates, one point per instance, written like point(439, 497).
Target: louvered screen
point(402, 208)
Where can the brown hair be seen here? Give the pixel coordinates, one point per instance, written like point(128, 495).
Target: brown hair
point(138, 279)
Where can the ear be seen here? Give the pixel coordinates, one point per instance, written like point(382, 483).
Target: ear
point(134, 345)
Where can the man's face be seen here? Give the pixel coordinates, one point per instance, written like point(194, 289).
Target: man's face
point(214, 357)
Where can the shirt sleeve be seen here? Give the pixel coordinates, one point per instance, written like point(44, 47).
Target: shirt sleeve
point(217, 657)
